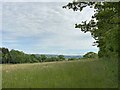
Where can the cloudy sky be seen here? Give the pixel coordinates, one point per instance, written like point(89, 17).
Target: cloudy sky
point(45, 27)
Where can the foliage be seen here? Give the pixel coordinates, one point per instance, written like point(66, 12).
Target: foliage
point(15, 56)
point(42, 58)
point(0, 55)
point(50, 59)
point(6, 57)
point(61, 57)
point(69, 59)
point(90, 55)
point(33, 58)
point(103, 26)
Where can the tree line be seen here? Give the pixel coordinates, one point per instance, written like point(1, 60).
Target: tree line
point(15, 56)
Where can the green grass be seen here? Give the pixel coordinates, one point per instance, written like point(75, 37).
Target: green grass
point(63, 74)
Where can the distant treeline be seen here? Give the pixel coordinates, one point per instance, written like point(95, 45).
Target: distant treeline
point(15, 56)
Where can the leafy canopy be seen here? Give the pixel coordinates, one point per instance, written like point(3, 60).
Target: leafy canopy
point(103, 26)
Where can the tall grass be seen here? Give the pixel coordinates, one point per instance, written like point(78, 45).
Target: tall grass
point(64, 74)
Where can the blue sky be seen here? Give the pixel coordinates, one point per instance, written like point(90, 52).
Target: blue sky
point(45, 27)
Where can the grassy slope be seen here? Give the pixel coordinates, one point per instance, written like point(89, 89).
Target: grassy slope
point(64, 74)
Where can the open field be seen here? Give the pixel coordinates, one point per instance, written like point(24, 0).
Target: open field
point(63, 74)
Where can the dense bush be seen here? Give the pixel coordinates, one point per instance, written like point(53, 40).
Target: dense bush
point(42, 58)
point(61, 57)
point(90, 55)
point(15, 56)
point(6, 57)
point(69, 59)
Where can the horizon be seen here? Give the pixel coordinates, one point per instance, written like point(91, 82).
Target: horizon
point(37, 27)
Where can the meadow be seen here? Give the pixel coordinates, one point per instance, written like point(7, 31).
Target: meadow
point(87, 73)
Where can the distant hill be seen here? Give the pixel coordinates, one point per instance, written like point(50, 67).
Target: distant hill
point(66, 56)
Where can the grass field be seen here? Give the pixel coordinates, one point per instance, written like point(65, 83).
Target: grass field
point(63, 74)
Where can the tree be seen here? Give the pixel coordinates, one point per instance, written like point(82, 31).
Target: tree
point(33, 58)
point(103, 26)
point(27, 58)
point(90, 55)
point(42, 58)
point(6, 57)
point(17, 56)
point(61, 57)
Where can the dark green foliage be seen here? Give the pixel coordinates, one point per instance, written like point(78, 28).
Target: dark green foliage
point(71, 59)
point(61, 57)
point(103, 26)
point(27, 58)
point(90, 55)
point(15, 56)
point(0, 55)
point(33, 58)
point(6, 57)
point(42, 58)
point(50, 59)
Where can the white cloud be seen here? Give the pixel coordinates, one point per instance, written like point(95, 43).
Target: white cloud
point(45, 26)
point(36, 0)
point(0, 24)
